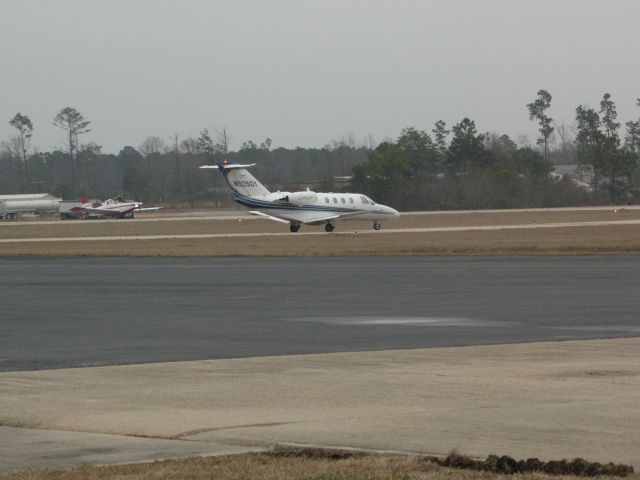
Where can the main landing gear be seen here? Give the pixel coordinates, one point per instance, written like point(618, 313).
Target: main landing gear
point(294, 227)
point(329, 227)
point(377, 226)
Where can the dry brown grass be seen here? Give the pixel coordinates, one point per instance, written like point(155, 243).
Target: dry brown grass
point(544, 241)
point(267, 467)
point(90, 228)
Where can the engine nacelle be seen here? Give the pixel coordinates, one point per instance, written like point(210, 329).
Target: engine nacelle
point(302, 198)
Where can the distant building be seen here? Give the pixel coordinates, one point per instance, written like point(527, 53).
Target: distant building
point(581, 175)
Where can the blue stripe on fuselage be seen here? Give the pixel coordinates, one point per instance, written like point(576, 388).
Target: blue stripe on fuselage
point(255, 203)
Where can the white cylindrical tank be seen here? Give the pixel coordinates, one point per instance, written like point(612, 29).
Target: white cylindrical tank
point(24, 204)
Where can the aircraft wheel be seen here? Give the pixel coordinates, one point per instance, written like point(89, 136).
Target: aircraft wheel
point(294, 227)
point(377, 226)
point(329, 228)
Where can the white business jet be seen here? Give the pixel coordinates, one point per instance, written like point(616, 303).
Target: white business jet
point(296, 208)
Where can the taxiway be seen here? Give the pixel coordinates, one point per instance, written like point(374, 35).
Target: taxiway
point(71, 312)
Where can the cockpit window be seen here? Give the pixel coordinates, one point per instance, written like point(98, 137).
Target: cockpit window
point(364, 199)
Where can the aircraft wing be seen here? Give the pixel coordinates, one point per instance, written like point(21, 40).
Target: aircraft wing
point(270, 217)
point(335, 216)
point(308, 218)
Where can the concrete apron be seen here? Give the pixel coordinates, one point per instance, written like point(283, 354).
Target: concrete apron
point(547, 400)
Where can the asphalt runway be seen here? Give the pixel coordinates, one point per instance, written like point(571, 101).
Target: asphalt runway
point(72, 312)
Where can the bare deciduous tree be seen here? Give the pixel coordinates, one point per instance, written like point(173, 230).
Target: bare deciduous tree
point(223, 140)
point(567, 149)
point(189, 145)
point(150, 145)
point(12, 148)
point(175, 140)
point(370, 142)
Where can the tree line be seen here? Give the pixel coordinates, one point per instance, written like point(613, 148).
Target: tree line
point(464, 169)
point(157, 170)
point(441, 169)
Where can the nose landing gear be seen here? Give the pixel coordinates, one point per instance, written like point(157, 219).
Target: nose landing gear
point(294, 227)
point(377, 226)
point(329, 228)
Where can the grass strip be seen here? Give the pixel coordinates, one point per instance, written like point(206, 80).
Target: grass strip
point(291, 463)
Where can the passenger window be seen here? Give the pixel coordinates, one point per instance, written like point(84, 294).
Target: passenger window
point(350, 200)
point(364, 200)
point(343, 200)
point(335, 200)
point(326, 199)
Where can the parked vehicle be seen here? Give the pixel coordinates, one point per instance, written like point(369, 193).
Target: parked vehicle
point(12, 206)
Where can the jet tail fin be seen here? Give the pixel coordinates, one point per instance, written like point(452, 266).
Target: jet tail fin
point(240, 180)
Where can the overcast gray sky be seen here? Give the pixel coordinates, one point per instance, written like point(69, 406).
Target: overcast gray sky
point(304, 72)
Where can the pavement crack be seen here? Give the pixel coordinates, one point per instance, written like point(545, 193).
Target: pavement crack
point(183, 435)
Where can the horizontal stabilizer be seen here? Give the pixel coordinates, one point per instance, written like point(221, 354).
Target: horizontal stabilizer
point(229, 166)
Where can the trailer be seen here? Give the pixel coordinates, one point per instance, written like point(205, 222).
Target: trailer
point(12, 206)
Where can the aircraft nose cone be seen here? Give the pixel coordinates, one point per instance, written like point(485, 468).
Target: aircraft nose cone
point(392, 211)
